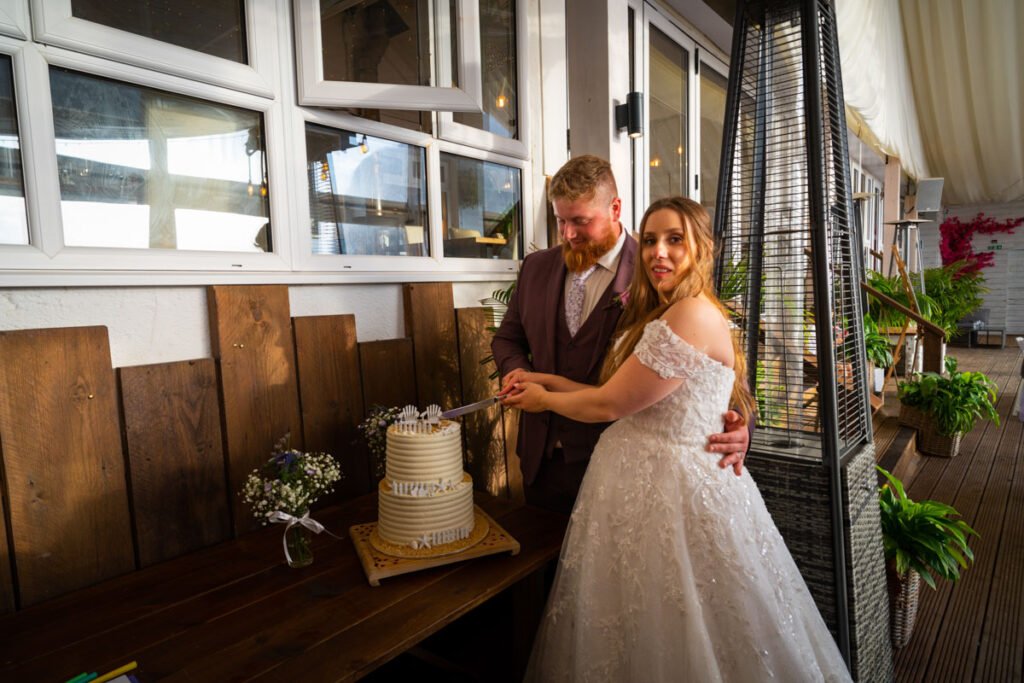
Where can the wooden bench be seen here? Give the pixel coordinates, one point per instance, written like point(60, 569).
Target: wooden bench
point(235, 611)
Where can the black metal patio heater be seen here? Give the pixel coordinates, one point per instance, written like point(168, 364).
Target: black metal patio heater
point(789, 268)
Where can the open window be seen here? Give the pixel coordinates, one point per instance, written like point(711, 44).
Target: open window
point(389, 54)
point(230, 43)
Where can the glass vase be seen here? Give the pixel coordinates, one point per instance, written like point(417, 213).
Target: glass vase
point(299, 541)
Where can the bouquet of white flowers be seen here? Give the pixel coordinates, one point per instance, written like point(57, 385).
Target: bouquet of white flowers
point(283, 489)
point(290, 481)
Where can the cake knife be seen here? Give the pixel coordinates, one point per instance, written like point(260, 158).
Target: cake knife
point(471, 408)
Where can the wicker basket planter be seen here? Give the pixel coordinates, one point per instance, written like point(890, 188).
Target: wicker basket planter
point(930, 442)
point(912, 417)
point(904, 594)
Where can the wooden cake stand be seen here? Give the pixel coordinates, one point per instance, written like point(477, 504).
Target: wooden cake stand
point(380, 565)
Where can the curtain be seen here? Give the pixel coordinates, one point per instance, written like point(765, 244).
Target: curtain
point(876, 80)
point(965, 60)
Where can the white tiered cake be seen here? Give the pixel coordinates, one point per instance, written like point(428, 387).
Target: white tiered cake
point(425, 498)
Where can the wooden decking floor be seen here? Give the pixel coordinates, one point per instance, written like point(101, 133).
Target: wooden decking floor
point(974, 630)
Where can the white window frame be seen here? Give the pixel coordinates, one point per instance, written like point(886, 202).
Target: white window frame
point(702, 59)
point(314, 90)
point(302, 240)
point(54, 24)
point(23, 254)
point(49, 252)
point(652, 16)
point(47, 261)
point(435, 261)
point(526, 200)
point(449, 129)
point(14, 20)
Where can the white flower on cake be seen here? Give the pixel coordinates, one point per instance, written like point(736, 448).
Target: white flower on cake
point(422, 542)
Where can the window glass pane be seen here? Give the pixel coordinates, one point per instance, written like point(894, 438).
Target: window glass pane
point(669, 64)
point(141, 168)
point(215, 27)
point(498, 48)
point(13, 222)
point(367, 195)
point(712, 117)
point(376, 41)
point(481, 208)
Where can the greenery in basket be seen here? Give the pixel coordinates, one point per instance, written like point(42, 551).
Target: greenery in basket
point(955, 402)
point(879, 349)
point(953, 291)
point(922, 535)
point(956, 290)
point(290, 481)
point(374, 430)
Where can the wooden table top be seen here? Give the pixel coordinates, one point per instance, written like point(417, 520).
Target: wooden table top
point(236, 611)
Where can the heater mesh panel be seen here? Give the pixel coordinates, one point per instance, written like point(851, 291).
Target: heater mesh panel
point(798, 310)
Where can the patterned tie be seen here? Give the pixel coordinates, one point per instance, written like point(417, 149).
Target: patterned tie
point(574, 302)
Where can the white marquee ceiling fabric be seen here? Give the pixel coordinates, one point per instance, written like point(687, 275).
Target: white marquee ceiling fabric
point(876, 79)
point(939, 85)
point(966, 60)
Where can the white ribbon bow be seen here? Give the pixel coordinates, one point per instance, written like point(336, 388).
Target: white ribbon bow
point(277, 517)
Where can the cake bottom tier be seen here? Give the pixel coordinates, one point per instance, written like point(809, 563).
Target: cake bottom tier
point(426, 520)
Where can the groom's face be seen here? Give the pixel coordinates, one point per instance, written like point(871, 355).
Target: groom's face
point(589, 227)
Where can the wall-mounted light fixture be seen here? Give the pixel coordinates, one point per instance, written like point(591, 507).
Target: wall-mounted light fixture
point(631, 114)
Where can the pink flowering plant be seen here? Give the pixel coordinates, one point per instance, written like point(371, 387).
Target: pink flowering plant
point(957, 236)
point(290, 481)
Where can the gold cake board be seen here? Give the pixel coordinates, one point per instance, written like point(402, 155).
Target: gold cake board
point(379, 565)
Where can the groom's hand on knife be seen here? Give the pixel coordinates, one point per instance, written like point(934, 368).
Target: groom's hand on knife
point(733, 443)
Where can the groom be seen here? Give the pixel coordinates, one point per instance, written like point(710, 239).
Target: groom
point(561, 319)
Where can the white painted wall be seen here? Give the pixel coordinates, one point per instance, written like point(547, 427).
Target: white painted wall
point(1005, 278)
point(163, 324)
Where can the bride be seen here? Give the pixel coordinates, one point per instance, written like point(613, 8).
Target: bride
point(672, 568)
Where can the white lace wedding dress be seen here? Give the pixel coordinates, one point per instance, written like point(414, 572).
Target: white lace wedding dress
point(672, 569)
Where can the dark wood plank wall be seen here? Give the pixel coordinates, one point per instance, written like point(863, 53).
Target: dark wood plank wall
point(332, 402)
point(430, 322)
point(6, 579)
point(176, 460)
point(484, 431)
point(251, 338)
point(64, 468)
point(193, 430)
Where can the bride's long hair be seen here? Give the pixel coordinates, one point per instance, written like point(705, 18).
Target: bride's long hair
point(645, 302)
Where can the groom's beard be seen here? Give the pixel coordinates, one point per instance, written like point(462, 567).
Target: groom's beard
point(578, 260)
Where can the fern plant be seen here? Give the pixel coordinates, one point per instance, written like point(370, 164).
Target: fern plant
point(924, 535)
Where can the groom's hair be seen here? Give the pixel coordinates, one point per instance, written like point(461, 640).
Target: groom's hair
point(581, 177)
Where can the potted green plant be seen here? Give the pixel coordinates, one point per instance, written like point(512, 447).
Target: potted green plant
point(922, 540)
point(947, 407)
point(879, 352)
point(956, 291)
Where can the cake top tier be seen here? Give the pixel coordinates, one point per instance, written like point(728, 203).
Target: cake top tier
point(420, 427)
point(412, 421)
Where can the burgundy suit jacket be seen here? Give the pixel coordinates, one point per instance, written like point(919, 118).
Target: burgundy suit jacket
point(528, 334)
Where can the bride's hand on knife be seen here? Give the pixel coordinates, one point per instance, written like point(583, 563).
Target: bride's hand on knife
point(527, 396)
point(519, 376)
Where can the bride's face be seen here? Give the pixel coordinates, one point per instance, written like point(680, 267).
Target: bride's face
point(665, 248)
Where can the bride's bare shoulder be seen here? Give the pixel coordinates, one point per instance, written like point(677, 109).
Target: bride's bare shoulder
point(700, 323)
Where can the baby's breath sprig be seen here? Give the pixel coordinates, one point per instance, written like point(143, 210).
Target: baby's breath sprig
point(374, 430)
point(290, 481)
